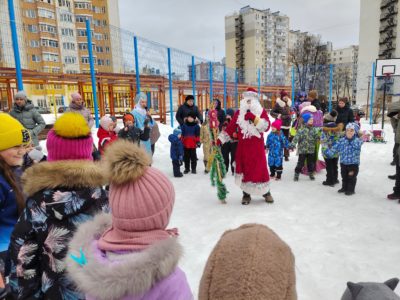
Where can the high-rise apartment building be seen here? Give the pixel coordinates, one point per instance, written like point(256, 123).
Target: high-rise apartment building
point(257, 40)
point(52, 35)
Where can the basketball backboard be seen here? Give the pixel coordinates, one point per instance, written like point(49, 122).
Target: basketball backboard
point(384, 67)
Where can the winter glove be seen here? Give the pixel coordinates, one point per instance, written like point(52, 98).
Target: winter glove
point(249, 116)
point(234, 135)
point(146, 122)
point(198, 144)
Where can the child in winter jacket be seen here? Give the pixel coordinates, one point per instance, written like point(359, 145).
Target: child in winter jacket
point(106, 133)
point(14, 140)
point(206, 141)
point(132, 133)
point(275, 145)
point(349, 150)
point(191, 141)
point(331, 133)
point(62, 193)
point(307, 137)
point(130, 254)
point(176, 151)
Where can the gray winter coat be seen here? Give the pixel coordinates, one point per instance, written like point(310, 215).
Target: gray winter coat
point(30, 118)
point(393, 110)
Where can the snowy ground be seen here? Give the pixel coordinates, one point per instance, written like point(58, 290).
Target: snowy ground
point(334, 238)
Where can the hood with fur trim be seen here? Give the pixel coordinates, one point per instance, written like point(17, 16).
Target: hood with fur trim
point(282, 103)
point(67, 174)
point(112, 276)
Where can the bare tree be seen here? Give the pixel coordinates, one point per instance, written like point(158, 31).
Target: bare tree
point(309, 58)
point(341, 81)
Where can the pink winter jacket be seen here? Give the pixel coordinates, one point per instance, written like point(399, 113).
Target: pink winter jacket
point(151, 274)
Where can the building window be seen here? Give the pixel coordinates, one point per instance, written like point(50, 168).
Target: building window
point(59, 101)
point(82, 46)
point(69, 46)
point(107, 49)
point(41, 102)
point(66, 3)
point(30, 13)
point(100, 62)
point(34, 43)
point(67, 32)
point(99, 49)
point(107, 62)
point(50, 57)
point(83, 5)
point(66, 18)
point(55, 70)
point(85, 60)
point(80, 19)
point(98, 36)
point(47, 28)
point(70, 60)
point(49, 43)
point(36, 58)
point(45, 13)
point(46, 1)
point(32, 28)
point(81, 32)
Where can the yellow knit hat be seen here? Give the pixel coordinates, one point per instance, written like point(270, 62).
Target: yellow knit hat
point(12, 133)
point(71, 125)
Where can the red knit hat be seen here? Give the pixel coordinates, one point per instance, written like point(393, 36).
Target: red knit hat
point(141, 200)
point(277, 124)
point(284, 94)
point(70, 139)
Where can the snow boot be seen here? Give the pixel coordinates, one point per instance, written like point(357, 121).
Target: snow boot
point(328, 183)
point(349, 193)
point(393, 163)
point(312, 177)
point(246, 199)
point(342, 190)
point(393, 196)
point(392, 177)
point(268, 198)
point(296, 176)
point(179, 175)
point(186, 171)
point(193, 171)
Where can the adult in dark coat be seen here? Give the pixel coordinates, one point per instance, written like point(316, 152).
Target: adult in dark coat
point(345, 113)
point(313, 98)
point(184, 109)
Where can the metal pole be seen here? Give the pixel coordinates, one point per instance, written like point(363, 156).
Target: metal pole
point(14, 38)
point(171, 108)
point(236, 89)
point(92, 71)
point(330, 86)
point(194, 80)
point(211, 81)
point(384, 99)
point(293, 85)
point(259, 82)
point(372, 94)
point(369, 83)
point(136, 65)
point(225, 88)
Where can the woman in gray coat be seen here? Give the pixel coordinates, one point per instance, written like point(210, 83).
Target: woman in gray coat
point(24, 111)
point(77, 105)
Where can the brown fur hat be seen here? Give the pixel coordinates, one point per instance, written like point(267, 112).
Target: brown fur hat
point(249, 263)
point(125, 161)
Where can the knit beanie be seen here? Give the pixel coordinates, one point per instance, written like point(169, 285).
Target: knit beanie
point(105, 122)
point(353, 126)
point(75, 96)
point(189, 97)
point(128, 117)
point(177, 131)
point(283, 94)
point(20, 95)
point(12, 133)
point(269, 274)
point(306, 117)
point(141, 199)
point(277, 124)
point(70, 139)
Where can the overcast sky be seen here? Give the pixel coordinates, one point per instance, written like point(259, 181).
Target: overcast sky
point(197, 26)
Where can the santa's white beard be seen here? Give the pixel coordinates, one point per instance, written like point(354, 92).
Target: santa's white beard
point(248, 128)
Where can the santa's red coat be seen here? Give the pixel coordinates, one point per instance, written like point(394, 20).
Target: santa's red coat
point(251, 171)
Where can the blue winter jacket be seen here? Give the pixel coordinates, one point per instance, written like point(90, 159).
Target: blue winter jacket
point(275, 145)
point(349, 150)
point(8, 211)
point(176, 151)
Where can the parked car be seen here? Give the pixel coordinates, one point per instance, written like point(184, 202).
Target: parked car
point(43, 110)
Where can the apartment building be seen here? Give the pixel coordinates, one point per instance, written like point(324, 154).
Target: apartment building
point(257, 40)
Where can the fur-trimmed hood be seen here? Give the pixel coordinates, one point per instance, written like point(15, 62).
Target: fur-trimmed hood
point(282, 103)
point(111, 276)
point(308, 108)
point(68, 174)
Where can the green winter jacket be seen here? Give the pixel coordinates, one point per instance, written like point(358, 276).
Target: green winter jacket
point(30, 118)
point(307, 138)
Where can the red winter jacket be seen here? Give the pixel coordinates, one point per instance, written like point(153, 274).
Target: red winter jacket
point(105, 137)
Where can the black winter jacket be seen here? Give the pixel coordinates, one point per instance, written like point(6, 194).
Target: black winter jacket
point(183, 112)
point(345, 115)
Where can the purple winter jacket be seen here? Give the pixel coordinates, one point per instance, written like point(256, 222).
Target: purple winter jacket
point(151, 274)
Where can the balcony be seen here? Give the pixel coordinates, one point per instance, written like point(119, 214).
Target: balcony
point(386, 3)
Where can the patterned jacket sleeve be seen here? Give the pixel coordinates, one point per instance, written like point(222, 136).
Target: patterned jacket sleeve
point(285, 142)
point(336, 148)
point(25, 277)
